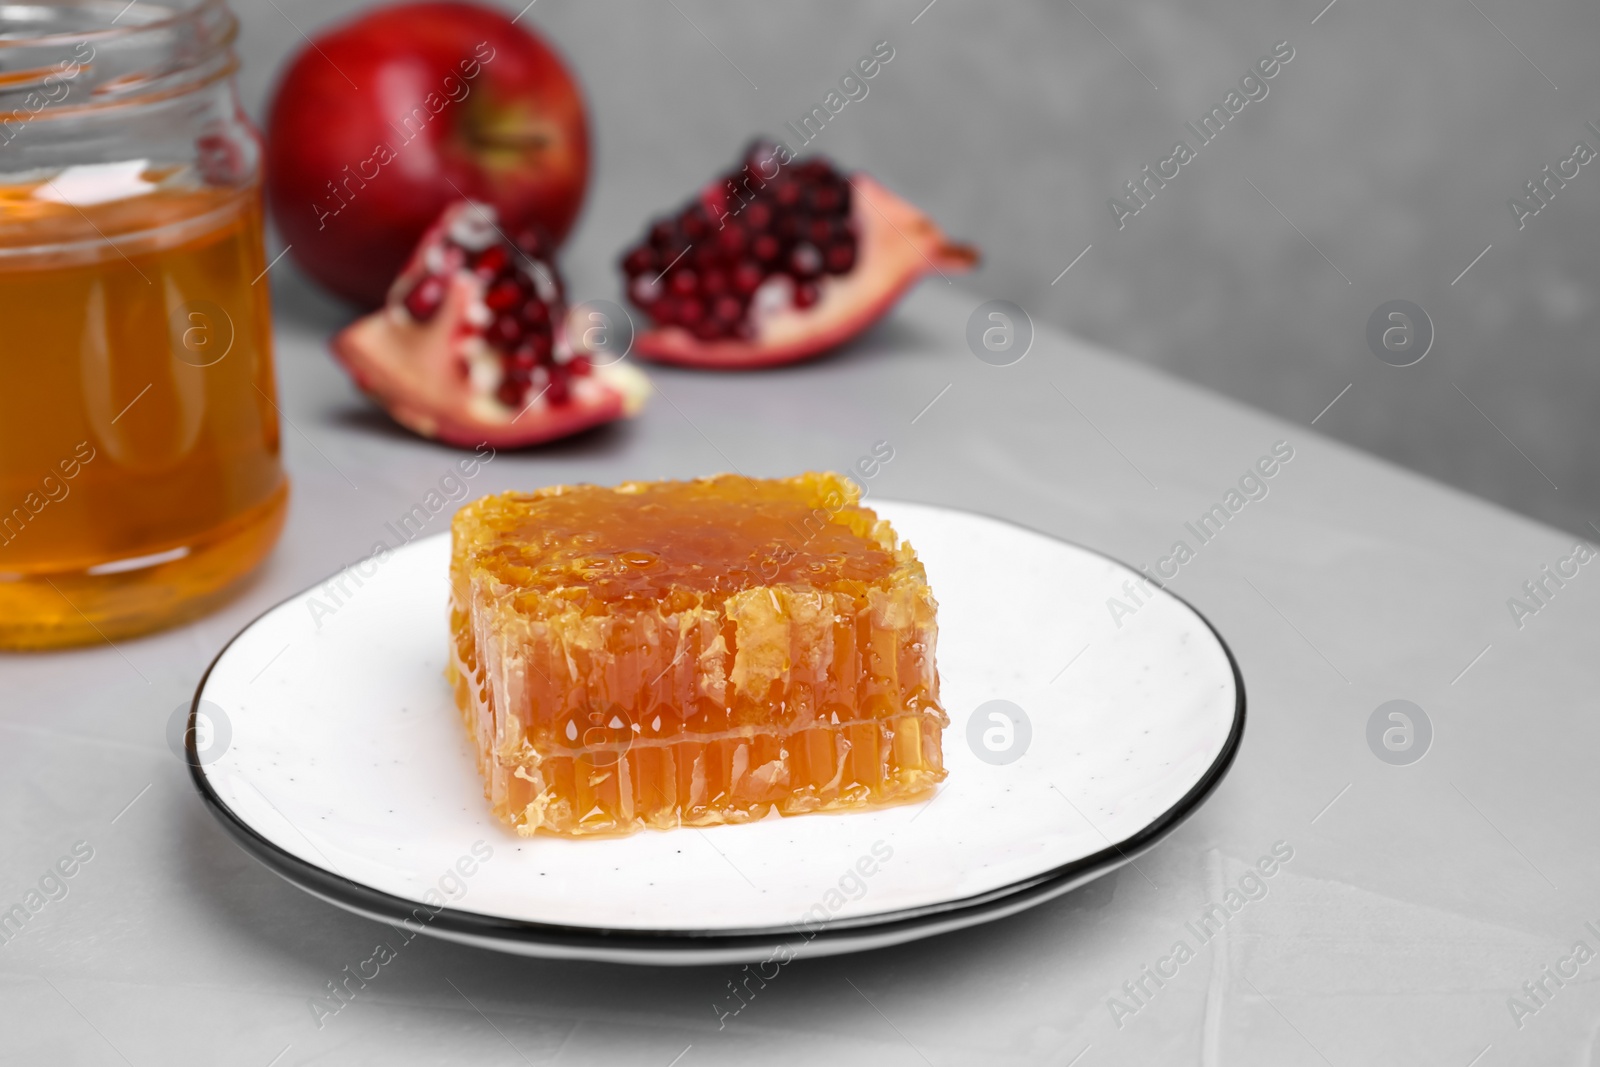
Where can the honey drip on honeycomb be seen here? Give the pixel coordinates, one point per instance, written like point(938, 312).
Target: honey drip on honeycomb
point(691, 653)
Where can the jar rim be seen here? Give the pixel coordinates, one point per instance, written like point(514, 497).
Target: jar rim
point(175, 47)
point(114, 32)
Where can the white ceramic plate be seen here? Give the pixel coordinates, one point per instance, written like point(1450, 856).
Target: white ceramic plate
point(333, 753)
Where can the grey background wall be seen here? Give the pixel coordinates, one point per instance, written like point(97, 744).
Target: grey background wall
point(1378, 167)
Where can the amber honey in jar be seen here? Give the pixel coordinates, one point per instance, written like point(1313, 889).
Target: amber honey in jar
point(140, 479)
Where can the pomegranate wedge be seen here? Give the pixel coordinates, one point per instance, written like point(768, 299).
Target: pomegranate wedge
point(779, 262)
point(470, 345)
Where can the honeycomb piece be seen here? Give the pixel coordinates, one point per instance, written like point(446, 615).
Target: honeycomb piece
point(690, 653)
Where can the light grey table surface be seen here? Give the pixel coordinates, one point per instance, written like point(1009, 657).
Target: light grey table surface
point(1418, 899)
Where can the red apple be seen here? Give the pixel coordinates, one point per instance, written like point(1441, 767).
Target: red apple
point(380, 123)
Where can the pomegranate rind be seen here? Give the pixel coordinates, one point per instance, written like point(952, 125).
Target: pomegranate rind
point(408, 368)
point(898, 246)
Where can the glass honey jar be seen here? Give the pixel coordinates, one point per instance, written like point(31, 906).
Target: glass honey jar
point(140, 475)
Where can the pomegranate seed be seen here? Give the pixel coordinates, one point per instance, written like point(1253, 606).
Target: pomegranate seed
point(746, 278)
point(840, 258)
point(729, 309)
point(731, 241)
point(673, 254)
point(766, 248)
point(707, 330)
point(805, 261)
point(714, 282)
point(523, 359)
point(805, 295)
point(695, 224)
point(706, 254)
point(491, 261)
point(542, 346)
point(510, 393)
point(535, 313)
point(788, 193)
point(663, 232)
point(639, 260)
point(690, 312)
point(757, 152)
point(644, 291)
point(425, 298)
point(827, 199)
point(559, 391)
point(684, 282)
point(503, 295)
point(820, 231)
point(504, 332)
point(758, 216)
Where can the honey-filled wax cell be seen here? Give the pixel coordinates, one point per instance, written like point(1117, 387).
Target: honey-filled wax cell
point(691, 653)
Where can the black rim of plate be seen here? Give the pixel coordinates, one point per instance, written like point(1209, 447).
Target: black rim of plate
point(376, 903)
